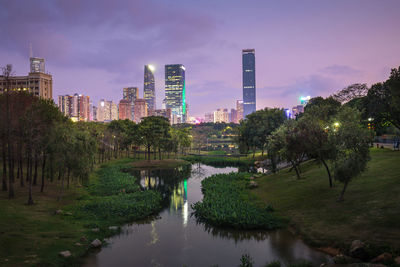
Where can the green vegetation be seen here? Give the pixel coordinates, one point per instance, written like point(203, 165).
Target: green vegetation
point(226, 202)
point(35, 234)
point(370, 212)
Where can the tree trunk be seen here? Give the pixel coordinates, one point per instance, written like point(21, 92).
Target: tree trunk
point(159, 153)
point(342, 193)
point(68, 173)
point(10, 170)
point(51, 167)
point(29, 174)
point(329, 173)
point(36, 170)
point(4, 178)
point(148, 153)
point(296, 169)
point(43, 168)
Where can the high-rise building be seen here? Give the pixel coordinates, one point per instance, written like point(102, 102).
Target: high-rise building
point(239, 110)
point(249, 81)
point(77, 107)
point(297, 110)
point(125, 110)
point(140, 109)
point(37, 82)
point(107, 111)
point(175, 91)
point(37, 65)
point(209, 117)
point(233, 116)
point(166, 113)
point(131, 94)
point(221, 115)
point(149, 91)
point(94, 112)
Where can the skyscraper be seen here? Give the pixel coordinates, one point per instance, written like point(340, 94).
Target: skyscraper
point(131, 94)
point(125, 110)
point(149, 92)
point(249, 81)
point(175, 91)
point(239, 110)
point(140, 109)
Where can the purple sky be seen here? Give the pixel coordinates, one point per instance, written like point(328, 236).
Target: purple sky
point(302, 47)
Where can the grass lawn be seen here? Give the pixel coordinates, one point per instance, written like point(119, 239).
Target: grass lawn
point(370, 210)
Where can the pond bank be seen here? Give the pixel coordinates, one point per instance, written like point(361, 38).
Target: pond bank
point(159, 164)
point(32, 235)
point(370, 211)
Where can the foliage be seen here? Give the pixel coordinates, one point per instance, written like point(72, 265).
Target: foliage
point(226, 203)
point(221, 161)
point(253, 132)
point(353, 91)
point(246, 261)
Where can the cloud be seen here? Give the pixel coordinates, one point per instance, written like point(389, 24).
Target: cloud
point(341, 70)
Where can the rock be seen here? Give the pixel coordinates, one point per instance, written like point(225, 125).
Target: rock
point(96, 243)
point(342, 259)
point(78, 244)
point(83, 239)
point(65, 254)
point(397, 260)
point(58, 212)
point(253, 184)
point(95, 230)
point(384, 257)
point(68, 213)
point(357, 250)
point(113, 228)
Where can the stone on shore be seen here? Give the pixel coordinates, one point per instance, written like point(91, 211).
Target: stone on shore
point(96, 243)
point(357, 250)
point(384, 257)
point(113, 228)
point(65, 254)
point(58, 212)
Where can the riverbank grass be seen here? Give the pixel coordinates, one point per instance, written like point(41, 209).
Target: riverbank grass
point(370, 211)
point(227, 203)
point(34, 235)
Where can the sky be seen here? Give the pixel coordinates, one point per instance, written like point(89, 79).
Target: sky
point(307, 47)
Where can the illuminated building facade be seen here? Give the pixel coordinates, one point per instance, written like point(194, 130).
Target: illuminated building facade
point(131, 94)
point(233, 117)
point(221, 115)
point(77, 107)
point(249, 81)
point(107, 111)
point(175, 92)
point(140, 110)
point(297, 110)
point(37, 82)
point(125, 110)
point(149, 91)
point(209, 117)
point(166, 113)
point(239, 110)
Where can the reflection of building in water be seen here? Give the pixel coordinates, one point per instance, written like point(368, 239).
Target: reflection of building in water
point(179, 200)
point(148, 181)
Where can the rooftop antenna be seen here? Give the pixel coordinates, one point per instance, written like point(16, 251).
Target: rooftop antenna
point(30, 50)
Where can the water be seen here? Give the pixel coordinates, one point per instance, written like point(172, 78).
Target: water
point(176, 239)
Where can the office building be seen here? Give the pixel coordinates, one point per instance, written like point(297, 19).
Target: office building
point(175, 92)
point(107, 111)
point(297, 110)
point(249, 81)
point(94, 112)
point(221, 115)
point(140, 109)
point(239, 110)
point(37, 82)
point(125, 110)
point(149, 91)
point(166, 113)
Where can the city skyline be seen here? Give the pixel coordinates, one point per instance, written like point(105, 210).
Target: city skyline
point(292, 40)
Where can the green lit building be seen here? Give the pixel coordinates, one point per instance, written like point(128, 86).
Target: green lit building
point(175, 92)
point(149, 92)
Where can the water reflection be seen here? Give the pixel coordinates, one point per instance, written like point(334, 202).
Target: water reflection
point(176, 239)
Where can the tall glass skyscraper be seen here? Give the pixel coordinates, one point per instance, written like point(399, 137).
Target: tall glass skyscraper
point(131, 94)
point(249, 81)
point(149, 92)
point(175, 91)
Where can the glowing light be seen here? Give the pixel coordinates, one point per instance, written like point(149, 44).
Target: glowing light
point(336, 124)
point(305, 98)
point(151, 67)
point(370, 119)
point(182, 67)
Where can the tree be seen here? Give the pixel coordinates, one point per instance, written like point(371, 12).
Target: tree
point(352, 142)
point(353, 91)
